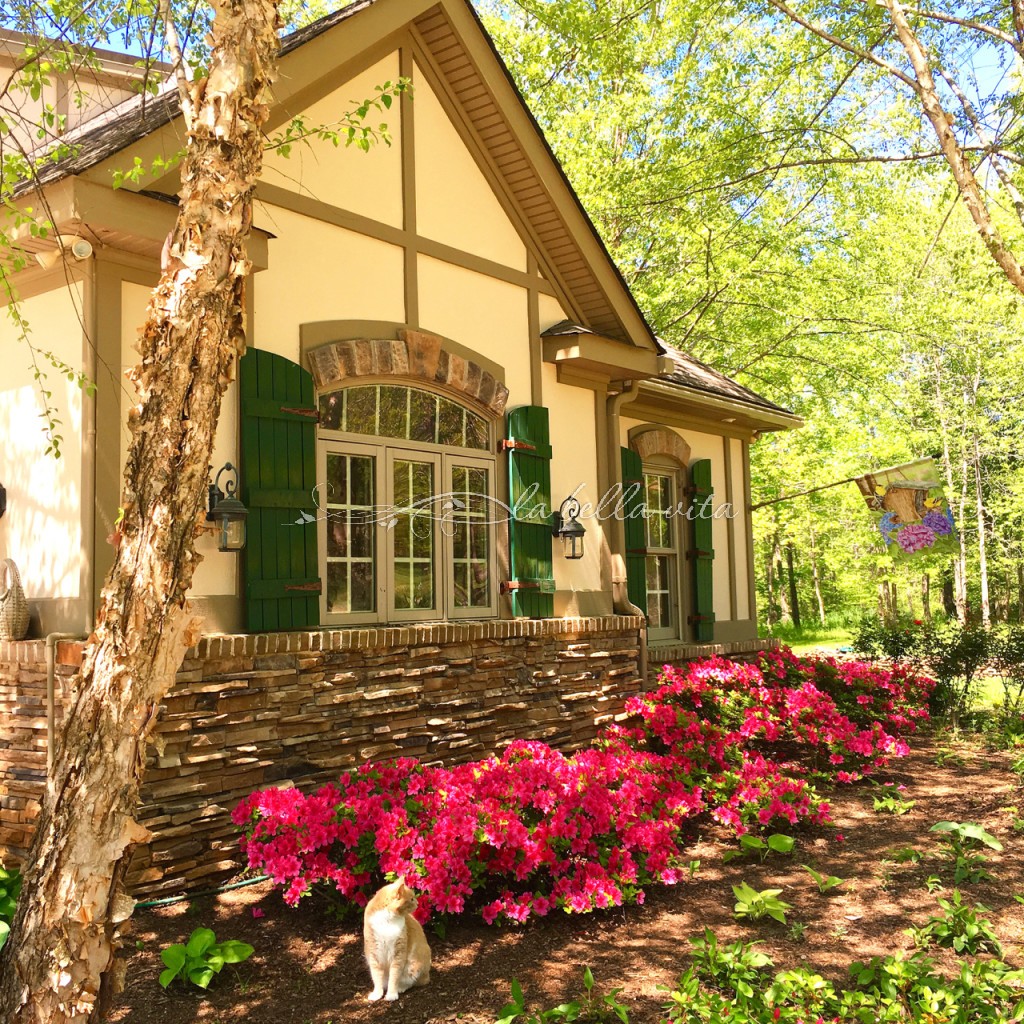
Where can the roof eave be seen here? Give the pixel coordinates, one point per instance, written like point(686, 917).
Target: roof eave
point(727, 410)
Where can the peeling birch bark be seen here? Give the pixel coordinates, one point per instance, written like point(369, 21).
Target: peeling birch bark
point(60, 963)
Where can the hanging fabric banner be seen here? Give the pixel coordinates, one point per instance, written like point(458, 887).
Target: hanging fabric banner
point(913, 514)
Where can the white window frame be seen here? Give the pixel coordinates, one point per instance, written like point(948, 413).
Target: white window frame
point(385, 451)
point(676, 630)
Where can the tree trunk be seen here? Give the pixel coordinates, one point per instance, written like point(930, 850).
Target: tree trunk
point(816, 574)
point(979, 496)
point(1020, 591)
point(59, 965)
point(773, 608)
point(785, 613)
point(948, 600)
point(926, 597)
point(794, 600)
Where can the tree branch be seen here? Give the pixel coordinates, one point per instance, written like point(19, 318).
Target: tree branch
point(954, 153)
point(857, 51)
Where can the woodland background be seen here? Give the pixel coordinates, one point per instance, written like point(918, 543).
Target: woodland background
point(780, 210)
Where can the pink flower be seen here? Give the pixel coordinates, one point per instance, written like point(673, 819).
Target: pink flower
point(258, 912)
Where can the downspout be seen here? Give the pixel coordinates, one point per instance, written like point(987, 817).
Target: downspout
point(51, 703)
point(615, 527)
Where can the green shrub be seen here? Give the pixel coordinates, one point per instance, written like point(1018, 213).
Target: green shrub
point(201, 958)
point(885, 990)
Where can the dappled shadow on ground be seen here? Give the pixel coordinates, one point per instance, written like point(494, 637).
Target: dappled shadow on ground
point(308, 966)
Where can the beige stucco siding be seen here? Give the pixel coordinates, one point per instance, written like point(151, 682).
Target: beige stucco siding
point(574, 471)
point(488, 316)
point(550, 310)
point(321, 272)
point(217, 573)
point(741, 524)
point(367, 183)
point(455, 204)
point(42, 529)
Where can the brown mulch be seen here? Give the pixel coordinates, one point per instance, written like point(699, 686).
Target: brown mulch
point(308, 966)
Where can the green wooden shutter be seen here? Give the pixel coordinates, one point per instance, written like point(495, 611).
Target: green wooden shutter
point(636, 534)
point(702, 553)
point(528, 444)
point(278, 475)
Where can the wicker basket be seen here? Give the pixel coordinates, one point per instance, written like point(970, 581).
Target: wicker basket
point(13, 606)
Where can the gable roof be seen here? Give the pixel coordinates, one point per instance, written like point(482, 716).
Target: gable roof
point(454, 39)
point(464, 59)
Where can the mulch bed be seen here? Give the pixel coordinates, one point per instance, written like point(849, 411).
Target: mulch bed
point(308, 966)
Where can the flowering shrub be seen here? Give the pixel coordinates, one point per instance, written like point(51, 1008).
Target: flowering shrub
point(534, 830)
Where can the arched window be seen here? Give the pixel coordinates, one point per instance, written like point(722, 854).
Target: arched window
point(406, 508)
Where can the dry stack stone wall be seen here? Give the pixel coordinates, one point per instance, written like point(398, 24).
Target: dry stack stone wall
point(23, 736)
point(297, 708)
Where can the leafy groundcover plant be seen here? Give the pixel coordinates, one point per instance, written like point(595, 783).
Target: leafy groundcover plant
point(537, 831)
point(201, 958)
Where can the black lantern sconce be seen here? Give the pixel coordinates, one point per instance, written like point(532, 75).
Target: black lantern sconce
point(227, 512)
point(568, 526)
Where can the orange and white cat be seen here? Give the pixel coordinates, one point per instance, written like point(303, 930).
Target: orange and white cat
point(396, 948)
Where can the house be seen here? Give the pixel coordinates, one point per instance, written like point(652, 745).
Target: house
point(441, 354)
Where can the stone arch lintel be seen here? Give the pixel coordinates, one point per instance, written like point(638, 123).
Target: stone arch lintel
point(652, 440)
point(413, 354)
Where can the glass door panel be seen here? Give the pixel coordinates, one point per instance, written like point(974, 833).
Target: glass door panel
point(467, 524)
point(351, 534)
point(413, 529)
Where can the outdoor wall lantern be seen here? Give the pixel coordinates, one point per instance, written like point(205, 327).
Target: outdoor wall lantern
point(227, 512)
point(569, 528)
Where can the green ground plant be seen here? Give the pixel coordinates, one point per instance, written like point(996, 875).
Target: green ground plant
point(201, 959)
point(959, 928)
point(893, 803)
point(589, 1008)
point(885, 990)
point(754, 905)
point(10, 888)
point(825, 883)
point(963, 842)
point(751, 845)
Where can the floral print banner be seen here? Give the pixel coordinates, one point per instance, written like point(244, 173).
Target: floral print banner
point(913, 514)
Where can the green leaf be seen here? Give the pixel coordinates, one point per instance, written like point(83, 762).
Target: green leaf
point(517, 991)
point(588, 979)
point(201, 976)
point(235, 952)
point(174, 957)
point(781, 844)
point(166, 977)
point(199, 942)
point(5, 930)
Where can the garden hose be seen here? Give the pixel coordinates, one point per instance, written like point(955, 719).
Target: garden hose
point(169, 900)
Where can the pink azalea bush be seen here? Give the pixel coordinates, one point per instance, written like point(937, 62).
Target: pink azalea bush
point(533, 830)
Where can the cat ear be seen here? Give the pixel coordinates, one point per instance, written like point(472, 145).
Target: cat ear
point(400, 881)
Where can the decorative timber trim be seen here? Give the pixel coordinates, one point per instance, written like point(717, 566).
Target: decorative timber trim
point(650, 441)
point(414, 354)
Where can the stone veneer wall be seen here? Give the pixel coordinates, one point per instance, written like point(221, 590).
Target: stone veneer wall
point(275, 709)
point(23, 737)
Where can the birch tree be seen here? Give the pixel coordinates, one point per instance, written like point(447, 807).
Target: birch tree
point(59, 964)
